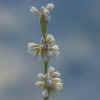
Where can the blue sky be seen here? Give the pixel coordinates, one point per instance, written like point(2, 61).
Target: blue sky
point(76, 26)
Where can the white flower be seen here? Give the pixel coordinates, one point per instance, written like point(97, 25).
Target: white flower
point(34, 10)
point(55, 47)
point(50, 39)
point(32, 45)
point(56, 74)
point(44, 10)
point(54, 50)
point(59, 88)
point(56, 79)
point(45, 93)
point(52, 80)
point(50, 83)
point(50, 6)
point(59, 84)
point(40, 83)
point(41, 76)
point(51, 69)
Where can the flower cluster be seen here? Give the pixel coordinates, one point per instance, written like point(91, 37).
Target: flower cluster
point(51, 81)
point(44, 10)
point(46, 46)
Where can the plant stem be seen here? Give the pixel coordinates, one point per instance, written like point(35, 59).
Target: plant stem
point(45, 66)
point(46, 98)
point(45, 72)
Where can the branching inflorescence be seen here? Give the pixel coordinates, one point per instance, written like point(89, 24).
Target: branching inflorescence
point(50, 79)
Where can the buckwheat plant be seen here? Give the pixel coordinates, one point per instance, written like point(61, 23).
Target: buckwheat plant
point(50, 79)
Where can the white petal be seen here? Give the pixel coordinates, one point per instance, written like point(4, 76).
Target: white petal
point(57, 79)
point(54, 53)
point(40, 83)
point(50, 6)
point(41, 76)
point(50, 37)
point(55, 47)
point(32, 45)
point(34, 10)
point(45, 93)
point(51, 69)
point(44, 11)
point(59, 88)
point(50, 82)
point(56, 74)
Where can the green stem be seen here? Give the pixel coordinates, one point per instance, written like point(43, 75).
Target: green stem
point(46, 98)
point(45, 72)
point(45, 67)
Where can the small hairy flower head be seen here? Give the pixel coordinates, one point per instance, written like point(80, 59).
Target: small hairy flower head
point(50, 39)
point(52, 80)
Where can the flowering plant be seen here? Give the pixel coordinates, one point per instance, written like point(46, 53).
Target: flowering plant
point(50, 79)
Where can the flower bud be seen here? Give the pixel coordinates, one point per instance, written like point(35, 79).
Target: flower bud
point(43, 25)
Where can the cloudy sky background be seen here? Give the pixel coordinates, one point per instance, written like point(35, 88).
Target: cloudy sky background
point(76, 26)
